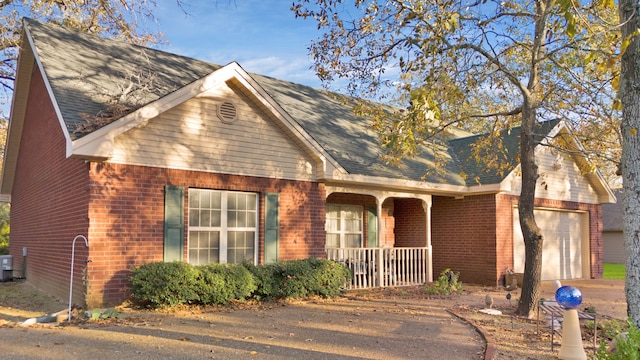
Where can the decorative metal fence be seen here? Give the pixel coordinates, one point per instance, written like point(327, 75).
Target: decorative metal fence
point(383, 267)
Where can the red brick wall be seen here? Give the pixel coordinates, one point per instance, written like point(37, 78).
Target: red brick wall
point(48, 202)
point(504, 234)
point(127, 214)
point(411, 223)
point(388, 219)
point(463, 237)
point(474, 235)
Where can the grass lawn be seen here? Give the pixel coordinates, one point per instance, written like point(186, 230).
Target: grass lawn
point(614, 271)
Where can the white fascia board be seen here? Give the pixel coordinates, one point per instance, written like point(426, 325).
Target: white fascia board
point(413, 186)
point(56, 108)
point(321, 155)
point(99, 144)
point(16, 119)
point(398, 184)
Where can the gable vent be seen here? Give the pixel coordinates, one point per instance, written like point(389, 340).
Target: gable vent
point(227, 112)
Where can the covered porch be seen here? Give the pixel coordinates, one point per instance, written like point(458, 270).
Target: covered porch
point(382, 237)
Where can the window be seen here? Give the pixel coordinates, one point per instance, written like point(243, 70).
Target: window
point(344, 226)
point(222, 226)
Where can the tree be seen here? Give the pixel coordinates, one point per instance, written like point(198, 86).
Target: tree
point(461, 63)
point(4, 228)
point(630, 99)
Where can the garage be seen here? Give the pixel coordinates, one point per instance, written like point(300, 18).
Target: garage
point(565, 247)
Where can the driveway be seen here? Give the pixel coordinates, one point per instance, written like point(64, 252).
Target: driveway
point(324, 329)
point(400, 323)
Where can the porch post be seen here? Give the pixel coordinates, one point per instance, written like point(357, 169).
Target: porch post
point(380, 220)
point(379, 235)
point(426, 205)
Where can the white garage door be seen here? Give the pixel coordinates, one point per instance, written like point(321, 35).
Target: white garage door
point(565, 248)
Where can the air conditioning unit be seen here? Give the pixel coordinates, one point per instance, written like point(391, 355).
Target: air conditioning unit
point(6, 262)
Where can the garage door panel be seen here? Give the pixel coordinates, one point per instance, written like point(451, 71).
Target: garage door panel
point(563, 247)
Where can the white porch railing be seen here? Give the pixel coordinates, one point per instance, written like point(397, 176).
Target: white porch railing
point(383, 267)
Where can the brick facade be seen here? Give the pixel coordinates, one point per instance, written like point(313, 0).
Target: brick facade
point(411, 223)
point(474, 235)
point(127, 219)
point(121, 210)
point(463, 237)
point(49, 202)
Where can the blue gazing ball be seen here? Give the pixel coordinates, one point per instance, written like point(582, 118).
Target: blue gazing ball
point(569, 297)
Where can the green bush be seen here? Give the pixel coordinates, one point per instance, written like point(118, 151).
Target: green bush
point(168, 284)
point(299, 278)
point(161, 284)
point(326, 278)
point(627, 346)
point(221, 283)
point(5, 209)
point(265, 281)
point(446, 284)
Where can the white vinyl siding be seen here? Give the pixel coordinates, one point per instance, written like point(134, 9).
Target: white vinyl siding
point(344, 226)
point(190, 136)
point(560, 179)
point(223, 226)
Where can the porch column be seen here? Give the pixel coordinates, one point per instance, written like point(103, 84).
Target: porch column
point(426, 206)
point(379, 235)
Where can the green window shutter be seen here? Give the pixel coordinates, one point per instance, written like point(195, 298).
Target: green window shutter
point(173, 223)
point(372, 227)
point(271, 227)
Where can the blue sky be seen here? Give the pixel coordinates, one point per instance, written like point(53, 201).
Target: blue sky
point(262, 36)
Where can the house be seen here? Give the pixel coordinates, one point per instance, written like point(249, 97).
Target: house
point(159, 157)
point(612, 236)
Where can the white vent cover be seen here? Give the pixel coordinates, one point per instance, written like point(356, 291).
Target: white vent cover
point(227, 112)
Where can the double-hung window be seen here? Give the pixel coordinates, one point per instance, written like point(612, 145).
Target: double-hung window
point(223, 226)
point(344, 226)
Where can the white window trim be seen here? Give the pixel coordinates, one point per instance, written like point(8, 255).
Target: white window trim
point(342, 232)
point(223, 229)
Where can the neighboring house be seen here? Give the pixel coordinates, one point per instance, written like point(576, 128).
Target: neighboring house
point(159, 157)
point(612, 237)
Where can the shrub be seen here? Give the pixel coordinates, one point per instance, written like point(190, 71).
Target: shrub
point(327, 277)
point(265, 281)
point(627, 346)
point(446, 284)
point(221, 283)
point(161, 284)
point(299, 278)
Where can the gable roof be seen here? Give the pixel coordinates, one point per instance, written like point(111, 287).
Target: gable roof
point(478, 173)
point(87, 76)
point(87, 73)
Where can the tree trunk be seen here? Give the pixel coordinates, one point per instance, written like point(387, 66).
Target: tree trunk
point(630, 97)
point(530, 231)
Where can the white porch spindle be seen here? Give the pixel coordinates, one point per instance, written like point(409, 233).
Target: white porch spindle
point(383, 267)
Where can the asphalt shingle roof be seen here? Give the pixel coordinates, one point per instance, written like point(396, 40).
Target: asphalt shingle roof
point(508, 152)
point(87, 73)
